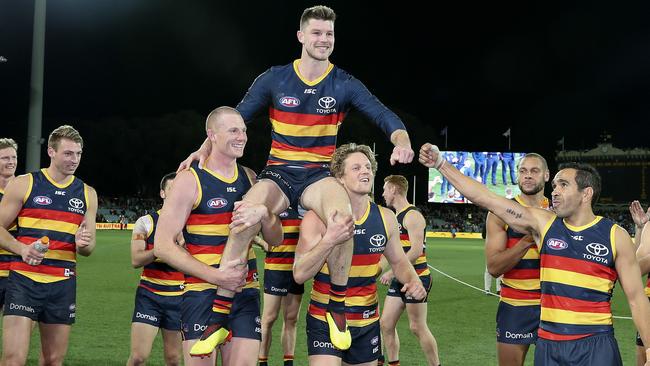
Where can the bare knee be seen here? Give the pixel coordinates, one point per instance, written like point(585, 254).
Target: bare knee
point(173, 359)
point(14, 359)
point(52, 360)
point(386, 328)
point(137, 359)
point(269, 319)
point(290, 320)
point(418, 329)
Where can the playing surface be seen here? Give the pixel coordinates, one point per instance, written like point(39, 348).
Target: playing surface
point(460, 317)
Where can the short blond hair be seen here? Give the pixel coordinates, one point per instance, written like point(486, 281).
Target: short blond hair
point(214, 116)
point(8, 142)
point(337, 166)
point(64, 132)
point(399, 181)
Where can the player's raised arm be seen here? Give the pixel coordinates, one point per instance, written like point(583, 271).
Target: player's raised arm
point(522, 219)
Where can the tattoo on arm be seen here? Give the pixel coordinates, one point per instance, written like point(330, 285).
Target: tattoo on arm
point(139, 237)
point(514, 213)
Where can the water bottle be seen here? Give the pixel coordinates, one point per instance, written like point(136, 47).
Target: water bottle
point(42, 244)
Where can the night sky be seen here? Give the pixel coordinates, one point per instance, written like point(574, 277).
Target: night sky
point(122, 69)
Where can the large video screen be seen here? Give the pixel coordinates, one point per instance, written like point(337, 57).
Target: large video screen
point(497, 170)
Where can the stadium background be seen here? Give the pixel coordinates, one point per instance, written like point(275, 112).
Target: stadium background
point(137, 79)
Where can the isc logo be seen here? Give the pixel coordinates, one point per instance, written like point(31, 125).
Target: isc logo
point(290, 102)
point(217, 202)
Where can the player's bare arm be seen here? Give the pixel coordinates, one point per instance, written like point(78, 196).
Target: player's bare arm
point(86, 234)
point(527, 220)
point(173, 216)
point(630, 277)
point(139, 255)
point(10, 206)
point(201, 155)
point(316, 242)
point(643, 250)
point(402, 268)
point(500, 259)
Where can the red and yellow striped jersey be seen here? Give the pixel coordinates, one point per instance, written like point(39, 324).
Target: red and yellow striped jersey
point(54, 210)
point(280, 258)
point(206, 231)
point(577, 279)
point(420, 264)
point(361, 308)
point(6, 257)
point(158, 276)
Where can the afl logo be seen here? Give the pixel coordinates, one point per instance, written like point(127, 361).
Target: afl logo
point(290, 102)
point(377, 240)
point(42, 200)
point(557, 244)
point(284, 214)
point(217, 202)
point(327, 102)
point(597, 249)
point(76, 203)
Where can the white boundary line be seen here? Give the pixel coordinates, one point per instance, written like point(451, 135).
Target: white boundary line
point(490, 293)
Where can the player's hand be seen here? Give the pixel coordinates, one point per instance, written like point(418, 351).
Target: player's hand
point(201, 155)
point(340, 228)
point(414, 289)
point(401, 154)
point(180, 240)
point(32, 256)
point(246, 214)
point(231, 275)
point(639, 217)
point(82, 237)
point(386, 278)
point(430, 156)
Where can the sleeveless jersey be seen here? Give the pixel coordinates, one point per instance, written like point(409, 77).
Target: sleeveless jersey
point(159, 277)
point(420, 264)
point(6, 257)
point(577, 279)
point(54, 210)
point(361, 308)
point(280, 258)
point(305, 116)
point(520, 286)
point(206, 231)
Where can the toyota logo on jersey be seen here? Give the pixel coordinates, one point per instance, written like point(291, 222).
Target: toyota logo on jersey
point(327, 102)
point(76, 203)
point(377, 240)
point(597, 249)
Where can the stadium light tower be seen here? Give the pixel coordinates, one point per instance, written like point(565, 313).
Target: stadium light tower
point(35, 119)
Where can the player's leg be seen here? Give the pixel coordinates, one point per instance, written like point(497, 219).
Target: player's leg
point(511, 354)
point(142, 337)
point(291, 310)
point(417, 313)
point(325, 197)
point(54, 343)
point(16, 332)
point(324, 360)
point(391, 312)
point(270, 312)
point(172, 342)
point(264, 192)
point(240, 352)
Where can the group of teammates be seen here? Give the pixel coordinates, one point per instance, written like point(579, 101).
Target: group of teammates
point(559, 267)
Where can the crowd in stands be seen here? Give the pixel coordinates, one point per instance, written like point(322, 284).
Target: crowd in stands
point(116, 209)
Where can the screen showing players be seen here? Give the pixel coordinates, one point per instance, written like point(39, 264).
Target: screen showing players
point(497, 170)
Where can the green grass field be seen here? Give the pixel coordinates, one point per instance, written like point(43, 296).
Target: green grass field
point(461, 318)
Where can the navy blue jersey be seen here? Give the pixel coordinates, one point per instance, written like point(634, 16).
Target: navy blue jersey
point(305, 116)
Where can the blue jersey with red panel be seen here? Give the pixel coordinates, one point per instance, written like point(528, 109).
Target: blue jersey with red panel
point(305, 115)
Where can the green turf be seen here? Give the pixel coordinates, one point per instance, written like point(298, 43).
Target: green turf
point(461, 318)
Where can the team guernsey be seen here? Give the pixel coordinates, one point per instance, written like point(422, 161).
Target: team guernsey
point(361, 306)
point(305, 115)
point(7, 257)
point(577, 279)
point(206, 231)
point(54, 210)
point(520, 286)
point(278, 264)
point(159, 277)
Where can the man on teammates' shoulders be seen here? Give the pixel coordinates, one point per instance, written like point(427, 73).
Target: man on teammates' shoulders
point(159, 294)
point(8, 163)
point(51, 202)
point(375, 233)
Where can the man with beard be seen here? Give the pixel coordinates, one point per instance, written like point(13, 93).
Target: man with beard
point(513, 255)
point(581, 258)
